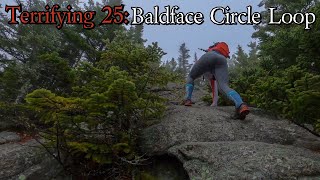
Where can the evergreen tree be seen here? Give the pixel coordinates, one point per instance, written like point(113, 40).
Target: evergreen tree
point(87, 94)
point(23, 48)
point(253, 53)
point(183, 59)
point(282, 46)
point(232, 61)
point(136, 32)
point(282, 71)
point(241, 57)
point(195, 58)
point(171, 65)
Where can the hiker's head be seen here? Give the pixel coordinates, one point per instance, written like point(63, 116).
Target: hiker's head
point(222, 48)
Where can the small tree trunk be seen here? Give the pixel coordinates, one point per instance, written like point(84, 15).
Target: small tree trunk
point(23, 91)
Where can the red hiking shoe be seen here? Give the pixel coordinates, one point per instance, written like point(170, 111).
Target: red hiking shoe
point(242, 112)
point(188, 102)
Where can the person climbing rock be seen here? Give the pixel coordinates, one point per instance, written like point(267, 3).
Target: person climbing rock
point(214, 61)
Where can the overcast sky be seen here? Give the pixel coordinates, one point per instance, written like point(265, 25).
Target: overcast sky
point(195, 36)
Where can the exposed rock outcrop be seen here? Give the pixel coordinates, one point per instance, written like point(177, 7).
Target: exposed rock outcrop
point(8, 137)
point(25, 160)
point(211, 145)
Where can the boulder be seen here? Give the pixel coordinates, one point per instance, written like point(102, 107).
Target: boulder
point(8, 137)
point(246, 160)
point(7, 124)
point(212, 145)
point(26, 161)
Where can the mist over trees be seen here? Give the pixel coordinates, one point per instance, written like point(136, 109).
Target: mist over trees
point(180, 66)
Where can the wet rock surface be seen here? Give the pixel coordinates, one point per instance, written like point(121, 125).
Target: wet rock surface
point(8, 137)
point(212, 145)
point(25, 160)
point(198, 142)
point(247, 160)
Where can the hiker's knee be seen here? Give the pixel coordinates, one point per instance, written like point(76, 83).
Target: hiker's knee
point(224, 87)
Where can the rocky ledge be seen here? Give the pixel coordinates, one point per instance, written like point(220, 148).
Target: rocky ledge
point(211, 145)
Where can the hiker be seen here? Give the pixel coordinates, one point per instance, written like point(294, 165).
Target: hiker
point(214, 61)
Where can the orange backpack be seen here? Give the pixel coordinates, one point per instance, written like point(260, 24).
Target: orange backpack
point(220, 47)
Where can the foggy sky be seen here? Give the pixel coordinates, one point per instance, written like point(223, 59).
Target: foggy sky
point(195, 36)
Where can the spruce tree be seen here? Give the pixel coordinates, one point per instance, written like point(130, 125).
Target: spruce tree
point(241, 57)
point(170, 65)
point(24, 46)
point(173, 64)
point(183, 60)
point(137, 32)
point(195, 58)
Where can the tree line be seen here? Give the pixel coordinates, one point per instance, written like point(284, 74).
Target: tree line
point(281, 73)
point(84, 95)
point(181, 66)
